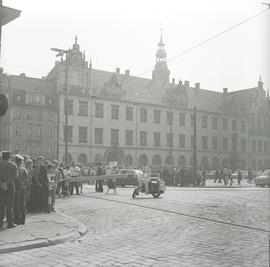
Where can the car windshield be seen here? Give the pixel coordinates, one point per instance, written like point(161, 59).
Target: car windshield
point(267, 172)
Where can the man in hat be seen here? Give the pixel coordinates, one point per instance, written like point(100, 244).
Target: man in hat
point(8, 176)
point(20, 195)
point(74, 172)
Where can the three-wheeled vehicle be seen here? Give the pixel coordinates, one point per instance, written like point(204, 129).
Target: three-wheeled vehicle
point(150, 183)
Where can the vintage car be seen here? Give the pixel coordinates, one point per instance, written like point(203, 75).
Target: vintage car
point(263, 179)
point(131, 178)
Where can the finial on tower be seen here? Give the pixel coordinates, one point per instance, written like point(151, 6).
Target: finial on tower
point(76, 39)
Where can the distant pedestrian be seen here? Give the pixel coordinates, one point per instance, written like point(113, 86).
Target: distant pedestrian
point(239, 176)
point(74, 173)
point(99, 172)
point(229, 173)
point(8, 176)
point(250, 178)
point(112, 185)
point(217, 174)
point(19, 206)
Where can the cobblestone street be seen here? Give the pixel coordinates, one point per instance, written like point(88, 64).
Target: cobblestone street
point(186, 227)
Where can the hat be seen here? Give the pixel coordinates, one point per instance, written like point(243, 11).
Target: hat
point(40, 157)
point(19, 157)
point(28, 161)
point(55, 161)
point(6, 154)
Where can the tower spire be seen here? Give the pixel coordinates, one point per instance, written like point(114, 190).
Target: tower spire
point(76, 39)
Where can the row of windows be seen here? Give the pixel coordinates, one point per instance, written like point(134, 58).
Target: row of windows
point(144, 117)
point(31, 149)
point(143, 139)
point(34, 132)
point(30, 116)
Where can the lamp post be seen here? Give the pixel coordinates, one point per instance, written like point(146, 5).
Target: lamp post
point(61, 52)
point(194, 142)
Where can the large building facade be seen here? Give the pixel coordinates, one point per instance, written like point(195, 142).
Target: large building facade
point(114, 116)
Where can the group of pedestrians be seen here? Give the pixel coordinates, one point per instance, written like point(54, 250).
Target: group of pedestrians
point(31, 185)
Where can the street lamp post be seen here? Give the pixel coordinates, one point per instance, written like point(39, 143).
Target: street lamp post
point(194, 143)
point(61, 52)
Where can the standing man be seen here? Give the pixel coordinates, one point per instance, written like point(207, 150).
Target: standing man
point(8, 176)
point(74, 172)
point(20, 195)
point(99, 172)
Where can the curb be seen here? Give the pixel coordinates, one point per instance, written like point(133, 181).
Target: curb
point(43, 242)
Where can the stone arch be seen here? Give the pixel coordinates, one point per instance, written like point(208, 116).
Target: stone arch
point(114, 155)
point(253, 165)
point(143, 160)
point(205, 162)
point(182, 162)
point(156, 160)
point(214, 163)
point(69, 158)
point(129, 161)
point(98, 158)
point(225, 162)
point(243, 164)
point(82, 158)
point(169, 160)
point(260, 164)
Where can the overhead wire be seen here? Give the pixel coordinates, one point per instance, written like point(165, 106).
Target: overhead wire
point(200, 44)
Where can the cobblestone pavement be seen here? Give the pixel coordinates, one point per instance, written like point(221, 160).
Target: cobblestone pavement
point(159, 232)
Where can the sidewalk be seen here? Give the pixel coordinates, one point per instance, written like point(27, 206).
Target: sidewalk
point(40, 230)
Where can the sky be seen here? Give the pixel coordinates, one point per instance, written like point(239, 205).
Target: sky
point(125, 33)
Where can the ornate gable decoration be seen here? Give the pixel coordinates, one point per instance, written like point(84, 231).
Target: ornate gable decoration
point(113, 88)
point(176, 96)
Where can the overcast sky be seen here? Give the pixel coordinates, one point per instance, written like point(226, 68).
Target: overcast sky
point(125, 33)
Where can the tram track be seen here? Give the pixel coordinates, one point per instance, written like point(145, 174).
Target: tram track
point(195, 217)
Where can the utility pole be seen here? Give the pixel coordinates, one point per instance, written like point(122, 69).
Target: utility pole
point(61, 52)
point(194, 142)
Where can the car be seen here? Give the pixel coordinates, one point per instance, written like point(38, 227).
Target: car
point(131, 177)
point(263, 179)
point(210, 174)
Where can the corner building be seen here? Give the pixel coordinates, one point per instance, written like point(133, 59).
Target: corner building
point(114, 116)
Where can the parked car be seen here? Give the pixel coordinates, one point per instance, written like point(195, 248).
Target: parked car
point(210, 174)
point(263, 179)
point(131, 177)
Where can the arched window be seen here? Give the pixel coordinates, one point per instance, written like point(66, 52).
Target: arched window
point(253, 165)
point(129, 161)
point(82, 158)
point(225, 163)
point(205, 163)
point(214, 163)
point(143, 160)
point(243, 164)
point(69, 158)
point(169, 160)
point(156, 161)
point(182, 161)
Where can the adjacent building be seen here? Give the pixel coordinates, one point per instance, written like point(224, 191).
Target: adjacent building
point(114, 116)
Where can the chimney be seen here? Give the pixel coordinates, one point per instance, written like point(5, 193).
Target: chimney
point(22, 75)
point(173, 80)
point(225, 90)
point(117, 70)
point(197, 86)
point(186, 83)
point(127, 72)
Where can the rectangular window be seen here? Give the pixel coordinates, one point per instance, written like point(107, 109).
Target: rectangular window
point(114, 136)
point(169, 140)
point(182, 119)
point(129, 137)
point(243, 145)
point(260, 146)
point(215, 123)
point(243, 126)
point(30, 132)
point(17, 131)
point(98, 110)
point(157, 116)
point(143, 115)
point(192, 141)
point(192, 120)
point(82, 134)
point(215, 143)
point(169, 117)
point(143, 138)
point(69, 133)
point(69, 107)
point(49, 149)
point(50, 116)
point(50, 132)
point(98, 135)
point(234, 125)
point(129, 113)
point(115, 112)
point(83, 108)
point(265, 147)
point(253, 146)
point(39, 130)
point(224, 143)
point(156, 139)
point(182, 140)
point(225, 124)
point(204, 122)
point(204, 142)
point(39, 116)
point(29, 116)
